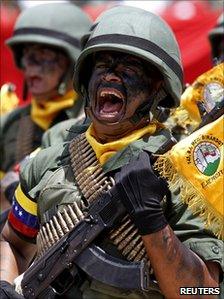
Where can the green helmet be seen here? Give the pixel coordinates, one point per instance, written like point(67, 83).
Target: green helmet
point(59, 25)
point(136, 32)
point(216, 34)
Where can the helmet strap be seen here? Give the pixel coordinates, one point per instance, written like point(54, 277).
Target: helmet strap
point(143, 111)
point(63, 83)
point(25, 91)
point(148, 108)
point(85, 97)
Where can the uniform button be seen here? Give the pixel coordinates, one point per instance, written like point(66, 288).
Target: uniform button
point(215, 249)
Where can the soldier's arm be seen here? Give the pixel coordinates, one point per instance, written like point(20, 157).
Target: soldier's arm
point(177, 266)
point(16, 254)
point(180, 259)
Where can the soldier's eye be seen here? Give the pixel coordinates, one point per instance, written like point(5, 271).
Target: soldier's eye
point(101, 65)
point(130, 69)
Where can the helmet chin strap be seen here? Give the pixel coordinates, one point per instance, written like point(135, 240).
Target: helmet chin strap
point(62, 85)
point(148, 108)
point(25, 91)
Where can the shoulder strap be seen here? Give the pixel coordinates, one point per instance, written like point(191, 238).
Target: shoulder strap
point(24, 140)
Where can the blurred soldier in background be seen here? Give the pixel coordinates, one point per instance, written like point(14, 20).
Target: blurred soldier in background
point(205, 92)
point(45, 45)
point(8, 72)
point(216, 38)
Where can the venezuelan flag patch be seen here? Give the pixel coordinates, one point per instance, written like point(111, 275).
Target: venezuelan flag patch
point(23, 215)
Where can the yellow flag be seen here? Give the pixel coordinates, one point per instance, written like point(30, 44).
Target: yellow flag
point(207, 90)
point(8, 98)
point(195, 165)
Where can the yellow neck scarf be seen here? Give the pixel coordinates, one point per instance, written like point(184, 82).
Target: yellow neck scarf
point(107, 150)
point(195, 165)
point(44, 112)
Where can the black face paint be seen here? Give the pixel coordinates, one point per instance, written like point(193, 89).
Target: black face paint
point(45, 58)
point(119, 84)
point(136, 84)
point(133, 75)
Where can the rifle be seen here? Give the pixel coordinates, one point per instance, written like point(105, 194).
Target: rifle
point(75, 249)
point(59, 266)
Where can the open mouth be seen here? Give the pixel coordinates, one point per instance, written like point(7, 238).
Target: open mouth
point(33, 80)
point(110, 104)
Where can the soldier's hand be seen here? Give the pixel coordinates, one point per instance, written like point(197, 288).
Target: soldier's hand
point(7, 291)
point(141, 191)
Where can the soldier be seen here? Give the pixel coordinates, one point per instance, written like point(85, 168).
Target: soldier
point(205, 92)
point(216, 40)
point(134, 63)
point(45, 45)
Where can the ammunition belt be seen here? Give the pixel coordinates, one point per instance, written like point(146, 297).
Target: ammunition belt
point(24, 141)
point(57, 227)
point(89, 174)
point(92, 181)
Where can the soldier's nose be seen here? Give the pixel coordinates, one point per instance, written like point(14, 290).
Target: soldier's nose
point(111, 77)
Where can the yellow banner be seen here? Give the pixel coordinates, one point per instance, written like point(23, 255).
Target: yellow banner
point(207, 90)
point(195, 165)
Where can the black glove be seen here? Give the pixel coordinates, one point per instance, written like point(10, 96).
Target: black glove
point(141, 192)
point(7, 291)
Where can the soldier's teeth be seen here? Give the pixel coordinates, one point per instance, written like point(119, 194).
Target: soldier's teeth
point(105, 93)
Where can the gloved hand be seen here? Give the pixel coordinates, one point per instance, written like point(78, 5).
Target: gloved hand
point(141, 191)
point(7, 291)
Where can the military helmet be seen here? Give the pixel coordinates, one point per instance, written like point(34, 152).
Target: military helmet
point(216, 34)
point(58, 25)
point(137, 32)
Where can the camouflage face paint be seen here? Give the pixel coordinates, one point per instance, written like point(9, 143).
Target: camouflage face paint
point(118, 85)
point(46, 59)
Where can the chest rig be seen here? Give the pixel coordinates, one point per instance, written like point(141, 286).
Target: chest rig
point(92, 181)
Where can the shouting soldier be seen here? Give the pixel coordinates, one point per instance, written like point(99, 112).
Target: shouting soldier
point(133, 66)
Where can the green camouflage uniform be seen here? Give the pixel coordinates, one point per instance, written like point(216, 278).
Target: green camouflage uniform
point(50, 182)
point(60, 132)
point(10, 124)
